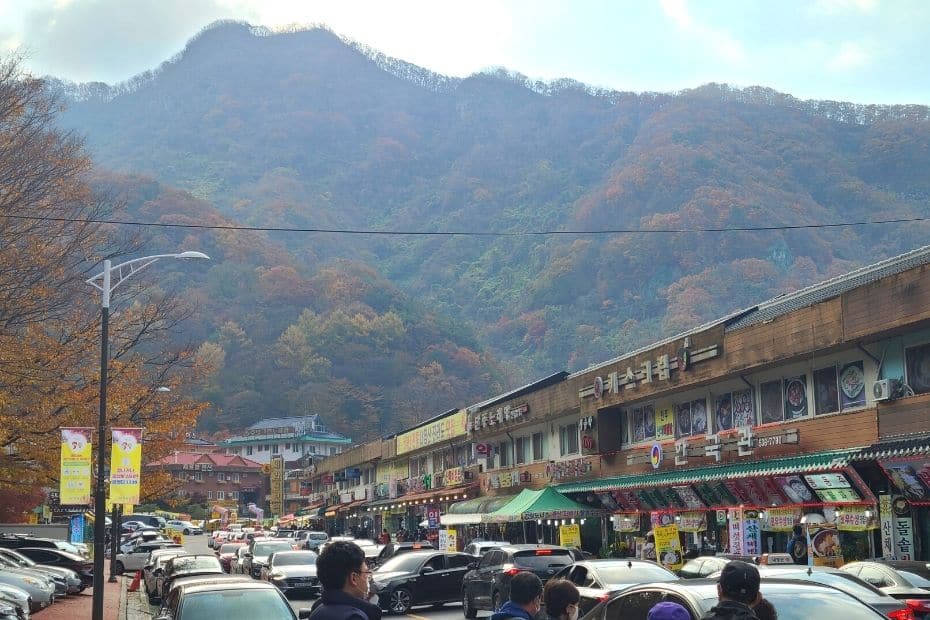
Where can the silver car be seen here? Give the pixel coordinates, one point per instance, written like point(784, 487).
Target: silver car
point(61, 587)
point(17, 597)
point(40, 589)
point(70, 578)
point(293, 572)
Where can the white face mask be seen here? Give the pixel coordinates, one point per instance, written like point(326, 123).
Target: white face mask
point(573, 612)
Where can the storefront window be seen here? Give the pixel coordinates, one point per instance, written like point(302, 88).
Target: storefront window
point(568, 439)
point(826, 393)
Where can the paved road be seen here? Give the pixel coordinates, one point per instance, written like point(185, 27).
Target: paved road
point(452, 611)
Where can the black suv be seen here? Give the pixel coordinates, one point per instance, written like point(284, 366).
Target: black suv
point(488, 585)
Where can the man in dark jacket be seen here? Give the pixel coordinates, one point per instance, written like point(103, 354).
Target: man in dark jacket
point(525, 598)
point(737, 589)
point(345, 577)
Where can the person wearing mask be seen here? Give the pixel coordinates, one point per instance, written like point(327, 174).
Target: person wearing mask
point(525, 598)
point(346, 579)
point(561, 598)
point(667, 610)
point(737, 591)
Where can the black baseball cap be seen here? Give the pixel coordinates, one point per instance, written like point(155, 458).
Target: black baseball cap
point(739, 581)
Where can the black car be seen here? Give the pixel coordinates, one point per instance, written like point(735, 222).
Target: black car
point(599, 578)
point(420, 578)
point(794, 600)
point(15, 542)
point(488, 585)
point(396, 548)
point(702, 566)
point(62, 559)
point(228, 599)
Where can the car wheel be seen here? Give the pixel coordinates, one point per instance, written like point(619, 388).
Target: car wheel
point(400, 601)
point(496, 601)
point(118, 568)
point(187, 532)
point(467, 607)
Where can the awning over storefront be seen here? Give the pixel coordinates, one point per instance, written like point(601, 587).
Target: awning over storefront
point(352, 505)
point(471, 510)
point(906, 463)
point(544, 503)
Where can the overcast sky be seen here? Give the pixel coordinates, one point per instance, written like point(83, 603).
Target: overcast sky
point(866, 51)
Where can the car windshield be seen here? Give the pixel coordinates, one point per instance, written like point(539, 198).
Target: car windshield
point(915, 579)
point(298, 558)
point(186, 563)
point(317, 536)
point(264, 548)
point(841, 581)
point(620, 572)
point(244, 604)
point(542, 559)
point(405, 563)
point(229, 548)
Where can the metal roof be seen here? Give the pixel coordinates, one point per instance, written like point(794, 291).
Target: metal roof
point(520, 391)
point(828, 289)
point(312, 420)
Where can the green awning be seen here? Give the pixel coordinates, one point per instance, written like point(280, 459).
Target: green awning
point(818, 461)
point(546, 503)
point(480, 505)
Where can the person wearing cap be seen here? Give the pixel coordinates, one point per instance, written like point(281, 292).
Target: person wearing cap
point(561, 598)
point(525, 598)
point(737, 591)
point(667, 610)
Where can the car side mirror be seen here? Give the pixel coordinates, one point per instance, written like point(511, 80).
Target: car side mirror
point(472, 565)
point(304, 613)
point(426, 570)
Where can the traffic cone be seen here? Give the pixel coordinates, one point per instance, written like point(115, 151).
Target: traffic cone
point(134, 586)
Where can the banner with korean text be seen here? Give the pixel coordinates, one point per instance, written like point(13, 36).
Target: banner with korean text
point(125, 465)
point(74, 481)
point(668, 547)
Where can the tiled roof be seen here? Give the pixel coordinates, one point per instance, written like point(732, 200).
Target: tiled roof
point(216, 458)
point(898, 447)
point(280, 422)
point(828, 289)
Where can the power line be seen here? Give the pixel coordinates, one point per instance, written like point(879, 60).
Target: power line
point(463, 233)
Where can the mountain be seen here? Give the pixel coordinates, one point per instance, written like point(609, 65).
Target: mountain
point(303, 129)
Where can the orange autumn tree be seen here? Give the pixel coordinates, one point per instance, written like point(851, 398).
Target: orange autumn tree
point(50, 243)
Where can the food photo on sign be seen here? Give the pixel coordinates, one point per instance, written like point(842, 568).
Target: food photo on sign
point(912, 478)
point(796, 397)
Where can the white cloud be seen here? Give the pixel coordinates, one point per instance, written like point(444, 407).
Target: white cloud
point(720, 42)
point(850, 55)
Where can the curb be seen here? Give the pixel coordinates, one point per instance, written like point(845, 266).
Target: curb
point(123, 594)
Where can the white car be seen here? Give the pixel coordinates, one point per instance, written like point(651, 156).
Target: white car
point(185, 527)
point(139, 556)
point(146, 537)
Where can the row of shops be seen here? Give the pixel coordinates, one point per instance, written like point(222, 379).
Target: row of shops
point(811, 410)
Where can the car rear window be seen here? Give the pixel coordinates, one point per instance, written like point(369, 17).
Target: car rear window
point(235, 605)
point(271, 547)
point(541, 559)
point(637, 573)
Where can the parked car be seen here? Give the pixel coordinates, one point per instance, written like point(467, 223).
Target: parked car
point(155, 539)
point(233, 599)
point(70, 578)
point(185, 566)
point(8, 611)
point(237, 560)
point(420, 578)
point(478, 548)
point(293, 572)
point(59, 583)
point(902, 585)
point(488, 585)
point(155, 567)
point(702, 566)
point(794, 600)
point(313, 540)
point(848, 583)
point(18, 541)
point(226, 552)
point(55, 557)
point(149, 520)
point(599, 578)
point(17, 597)
point(396, 548)
point(138, 557)
point(41, 591)
point(185, 527)
point(256, 557)
point(921, 569)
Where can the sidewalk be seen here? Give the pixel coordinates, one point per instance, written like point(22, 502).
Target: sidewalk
point(80, 606)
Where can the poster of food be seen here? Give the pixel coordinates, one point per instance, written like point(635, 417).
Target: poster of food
point(771, 402)
point(668, 547)
point(795, 489)
point(649, 421)
point(665, 423)
point(684, 419)
point(852, 386)
point(796, 397)
point(743, 409)
point(659, 518)
point(826, 393)
point(918, 368)
point(825, 543)
point(698, 417)
point(639, 431)
point(723, 412)
point(912, 478)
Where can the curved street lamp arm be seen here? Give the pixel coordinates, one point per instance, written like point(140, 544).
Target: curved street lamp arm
point(130, 267)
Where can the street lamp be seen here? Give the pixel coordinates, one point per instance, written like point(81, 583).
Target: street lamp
point(105, 281)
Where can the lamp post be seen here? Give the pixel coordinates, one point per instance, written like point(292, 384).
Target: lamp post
point(105, 281)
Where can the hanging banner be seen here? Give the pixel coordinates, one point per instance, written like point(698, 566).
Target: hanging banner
point(781, 519)
point(856, 519)
point(887, 529)
point(752, 533)
point(903, 538)
point(692, 521)
point(448, 541)
point(125, 465)
point(76, 529)
point(74, 481)
point(735, 518)
point(668, 547)
point(570, 535)
point(825, 545)
point(626, 522)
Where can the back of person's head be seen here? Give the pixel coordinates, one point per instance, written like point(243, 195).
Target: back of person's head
point(558, 595)
point(765, 610)
point(525, 587)
point(667, 610)
point(798, 530)
point(739, 581)
point(337, 561)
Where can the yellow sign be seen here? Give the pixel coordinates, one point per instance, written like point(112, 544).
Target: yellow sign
point(453, 476)
point(395, 470)
point(445, 429)
point(856, 519)
point(665, 423)
point(570, 535)
point(74, 486)
point(125, 465)
point(277, 485)
point(668, 547)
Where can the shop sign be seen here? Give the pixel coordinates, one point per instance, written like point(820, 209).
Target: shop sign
point(695, 521)
point(448, 541)
point(439, 431)
point(570, 535)
point(752, 534)
point(735, 519)
point(668, 547)
point(478, 420)
point(432, 517)
point(655, 455)
point(838, 496)
point(689, 497)
point(781, 519)
point(626, 522)
point(483, 450)
point(574, 468)
point(911, 477)
point(855, 519)
point(649, 371)
point(506, 480)
point(453, 476)
point(887, 529)
point(658, 518)
point(825, 545)
point(721, 517)
point(903, 538)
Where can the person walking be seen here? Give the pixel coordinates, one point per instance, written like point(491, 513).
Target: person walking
point(346, 579)
point(525, 598)
point(737, 591)
point(384, 538)
point(561, 598)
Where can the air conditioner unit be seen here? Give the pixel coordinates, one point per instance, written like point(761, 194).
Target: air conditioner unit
point(881, 389)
